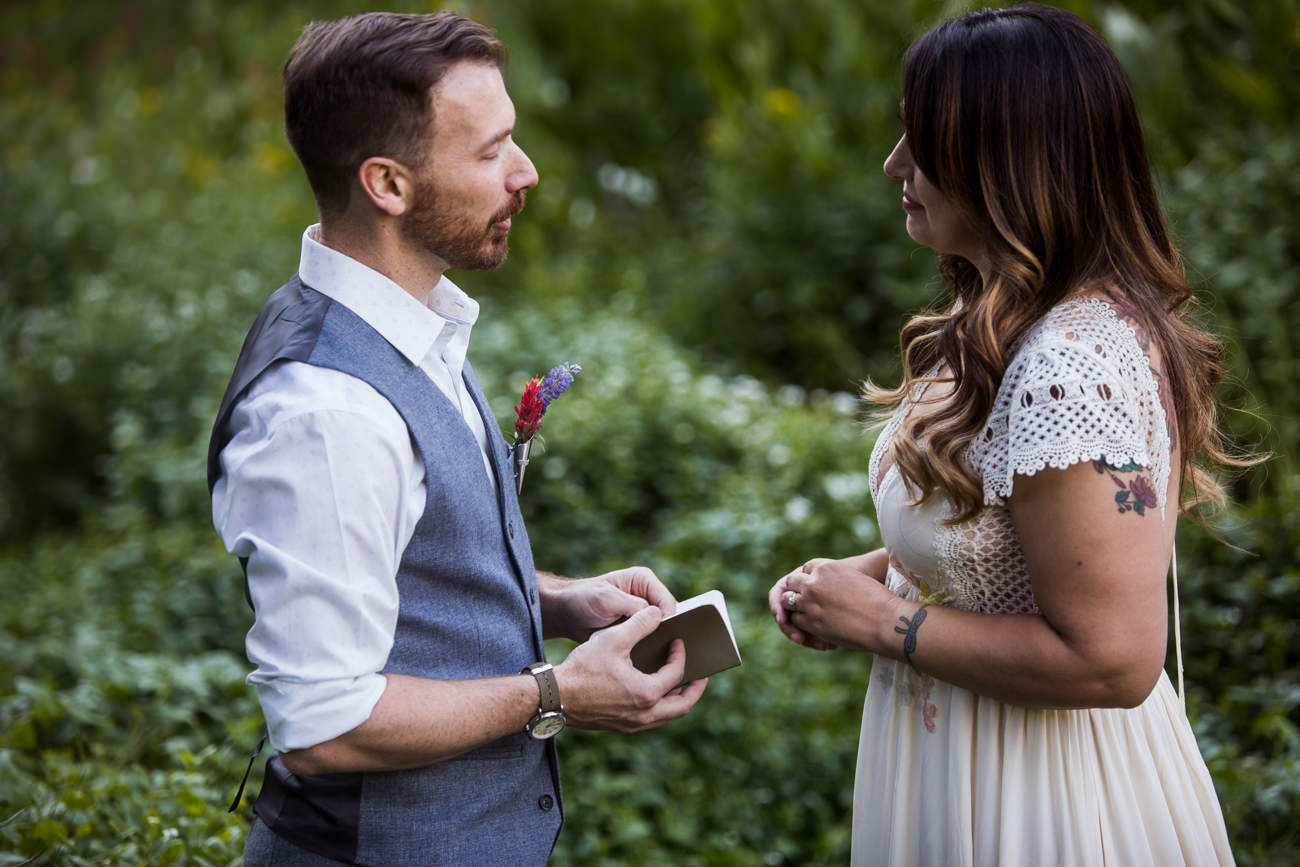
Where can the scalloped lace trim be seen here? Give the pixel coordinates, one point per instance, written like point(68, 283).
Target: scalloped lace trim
point(1079, 389)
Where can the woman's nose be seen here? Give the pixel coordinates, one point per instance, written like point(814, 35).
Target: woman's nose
point(899, 161)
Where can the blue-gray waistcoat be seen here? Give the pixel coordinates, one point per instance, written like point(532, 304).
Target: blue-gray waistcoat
point(468, 608)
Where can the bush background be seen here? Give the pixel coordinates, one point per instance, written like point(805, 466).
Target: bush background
point(714, 240)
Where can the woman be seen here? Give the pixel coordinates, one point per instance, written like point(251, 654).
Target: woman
point(1028, 482)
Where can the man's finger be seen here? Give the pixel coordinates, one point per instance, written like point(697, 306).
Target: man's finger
point(670, 673)
point(636, 627)
point(679, 703)
point(625, 604)
point(655, 591)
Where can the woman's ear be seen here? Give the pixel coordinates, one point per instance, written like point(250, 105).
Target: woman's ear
point(387, 184)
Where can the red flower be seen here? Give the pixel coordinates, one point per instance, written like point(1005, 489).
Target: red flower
point(528, 412)
point(1143, 494)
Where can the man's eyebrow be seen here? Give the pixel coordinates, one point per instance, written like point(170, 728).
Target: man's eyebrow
point(498, 138)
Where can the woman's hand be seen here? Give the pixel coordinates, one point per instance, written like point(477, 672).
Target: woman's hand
point(776, 603)
point(826, 603)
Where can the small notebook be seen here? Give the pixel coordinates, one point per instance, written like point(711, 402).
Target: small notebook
point(702, 623)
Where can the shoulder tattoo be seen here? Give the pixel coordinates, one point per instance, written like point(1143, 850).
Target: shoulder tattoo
point(1136, 493)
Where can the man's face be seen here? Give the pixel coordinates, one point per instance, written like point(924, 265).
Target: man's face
point(474, 177)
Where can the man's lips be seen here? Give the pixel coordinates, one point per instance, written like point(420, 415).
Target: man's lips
point(503, 220)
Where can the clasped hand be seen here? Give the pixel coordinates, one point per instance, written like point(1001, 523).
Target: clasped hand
point(825, 604)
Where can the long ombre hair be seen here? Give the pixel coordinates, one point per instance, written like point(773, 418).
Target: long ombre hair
point(1023, 118)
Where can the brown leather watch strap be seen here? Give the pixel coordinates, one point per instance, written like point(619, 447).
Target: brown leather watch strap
point(548, 688)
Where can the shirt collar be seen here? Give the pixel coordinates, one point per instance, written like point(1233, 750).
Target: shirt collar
point(411, 327)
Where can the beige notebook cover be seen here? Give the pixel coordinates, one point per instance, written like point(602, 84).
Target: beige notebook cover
point(702, 623)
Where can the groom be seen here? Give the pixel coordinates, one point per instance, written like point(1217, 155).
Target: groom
point(358, 473)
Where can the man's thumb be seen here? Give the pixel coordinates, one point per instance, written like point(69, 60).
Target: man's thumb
point(642, 623)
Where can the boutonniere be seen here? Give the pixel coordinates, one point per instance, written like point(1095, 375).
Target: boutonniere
point(537, 396)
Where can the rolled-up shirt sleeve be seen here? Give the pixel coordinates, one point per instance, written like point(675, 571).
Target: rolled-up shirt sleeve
point(320, 491)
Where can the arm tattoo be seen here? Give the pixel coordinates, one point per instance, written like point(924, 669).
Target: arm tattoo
point(1136, 495)
point(909, 634)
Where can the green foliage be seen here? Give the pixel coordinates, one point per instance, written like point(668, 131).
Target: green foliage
point(714, 482)
point(1243, 666)
point(123, 712)
point(1249, 257)
point(714, 241)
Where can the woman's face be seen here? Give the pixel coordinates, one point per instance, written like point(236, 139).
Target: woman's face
point(932, 218)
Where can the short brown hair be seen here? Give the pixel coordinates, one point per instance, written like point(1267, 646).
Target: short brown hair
point(358, 87)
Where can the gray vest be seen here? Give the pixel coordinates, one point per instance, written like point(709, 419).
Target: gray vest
point(468, 608)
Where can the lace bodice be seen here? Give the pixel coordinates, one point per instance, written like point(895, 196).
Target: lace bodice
point(1079, 388)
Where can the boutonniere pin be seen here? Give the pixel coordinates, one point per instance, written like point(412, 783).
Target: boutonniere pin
point(537, 396)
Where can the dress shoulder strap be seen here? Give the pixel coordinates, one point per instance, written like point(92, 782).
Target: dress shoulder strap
point(1178, 629)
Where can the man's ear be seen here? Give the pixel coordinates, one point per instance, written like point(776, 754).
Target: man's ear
point(387, 184)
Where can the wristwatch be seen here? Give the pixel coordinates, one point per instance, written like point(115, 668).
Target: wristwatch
point(550, 713)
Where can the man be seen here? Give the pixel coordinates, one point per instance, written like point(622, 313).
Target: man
point(358, 473)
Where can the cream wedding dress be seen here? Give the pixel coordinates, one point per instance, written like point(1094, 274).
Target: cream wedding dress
point(947, 777)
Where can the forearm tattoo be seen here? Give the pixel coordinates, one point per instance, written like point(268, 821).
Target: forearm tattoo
point(909, 634)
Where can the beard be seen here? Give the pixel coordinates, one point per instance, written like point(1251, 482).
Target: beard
point(460, 240)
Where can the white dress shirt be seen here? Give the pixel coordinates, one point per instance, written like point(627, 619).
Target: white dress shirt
point(321, 489)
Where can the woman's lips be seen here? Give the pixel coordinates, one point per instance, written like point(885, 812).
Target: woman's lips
point(911, 204)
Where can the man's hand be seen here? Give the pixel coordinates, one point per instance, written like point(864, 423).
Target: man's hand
point(601, 689)
point(576, 607)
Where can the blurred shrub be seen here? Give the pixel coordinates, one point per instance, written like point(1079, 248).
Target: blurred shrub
point(1247, 258)
point(713, 482)
point(741, 188)
point(122, 678)
point(1243, 668)
point(124, 719)
point(132, 269)
point(714, 240)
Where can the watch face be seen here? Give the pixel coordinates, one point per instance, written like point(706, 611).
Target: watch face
point(548, 725)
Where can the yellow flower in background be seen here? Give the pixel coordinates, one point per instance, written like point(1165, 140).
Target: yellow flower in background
point(150, 101)
point(781, 102)
point(271, 158)
point(199, 167)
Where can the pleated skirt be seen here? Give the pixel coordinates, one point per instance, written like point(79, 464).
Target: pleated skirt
point(946, 777)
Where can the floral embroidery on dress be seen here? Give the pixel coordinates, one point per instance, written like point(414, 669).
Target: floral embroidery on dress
point(911, 688)
point(924, 592)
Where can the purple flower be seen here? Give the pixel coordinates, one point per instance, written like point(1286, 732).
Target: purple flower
point(537, 395)
point(555, 382)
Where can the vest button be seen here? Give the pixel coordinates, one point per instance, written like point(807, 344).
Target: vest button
point(532, 596)
point(510, 528)
point(545, 802)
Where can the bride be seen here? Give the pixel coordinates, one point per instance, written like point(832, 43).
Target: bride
point(1051, 425)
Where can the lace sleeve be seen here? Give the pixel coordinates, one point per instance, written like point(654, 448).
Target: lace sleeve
point(1079, 389)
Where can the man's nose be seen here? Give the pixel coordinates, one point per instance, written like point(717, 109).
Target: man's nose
point(524, 175)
